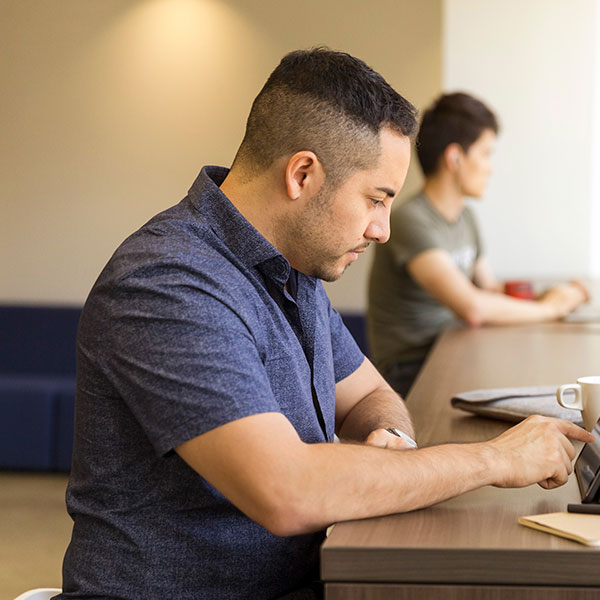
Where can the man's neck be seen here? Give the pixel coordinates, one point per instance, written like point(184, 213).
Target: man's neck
point(445, 196)
point(249, 197)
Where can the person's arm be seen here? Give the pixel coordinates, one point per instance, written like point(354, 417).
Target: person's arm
point(260, 464)
point(435, 271)
point(484, 278)
point(366, 405)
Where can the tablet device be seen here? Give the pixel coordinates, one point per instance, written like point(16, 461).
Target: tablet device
point(587, 468)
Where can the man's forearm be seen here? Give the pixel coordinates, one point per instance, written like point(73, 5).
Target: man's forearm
point(290, 487)
point(358, 481)
point(343, 481)
point(498, 309)
point(488, 307)
point(381, 409)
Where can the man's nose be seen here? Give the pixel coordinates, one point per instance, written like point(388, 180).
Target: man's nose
point(379, 229)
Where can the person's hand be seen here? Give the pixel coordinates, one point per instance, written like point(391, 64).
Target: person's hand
point(565, 297)
point(582, 287)
point(382, 438)
point(537, 450)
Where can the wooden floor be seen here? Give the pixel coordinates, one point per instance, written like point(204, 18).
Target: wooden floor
point(34, 531)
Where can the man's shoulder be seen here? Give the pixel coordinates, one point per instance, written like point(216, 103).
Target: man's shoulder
point(175, 254)
point(416, 206)
point(412, 212)
point(469, 217)
point(170, 239)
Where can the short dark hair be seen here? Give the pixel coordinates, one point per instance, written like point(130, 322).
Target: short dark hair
point(456, 118)
point(328, 102)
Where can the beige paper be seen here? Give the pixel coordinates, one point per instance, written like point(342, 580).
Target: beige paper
point(582, 528)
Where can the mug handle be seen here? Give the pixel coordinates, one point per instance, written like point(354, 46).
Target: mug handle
point(576, 404)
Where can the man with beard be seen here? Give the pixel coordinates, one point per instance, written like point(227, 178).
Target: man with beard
point(213, 372)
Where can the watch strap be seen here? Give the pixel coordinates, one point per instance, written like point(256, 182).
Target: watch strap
point(397, 432)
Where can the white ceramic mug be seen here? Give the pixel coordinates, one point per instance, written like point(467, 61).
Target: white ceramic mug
point(587, 399)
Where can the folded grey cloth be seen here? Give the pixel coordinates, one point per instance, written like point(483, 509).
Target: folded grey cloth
point(515, 404)
point(586, 313)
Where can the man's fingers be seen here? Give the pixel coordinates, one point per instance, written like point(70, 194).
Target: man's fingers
point(567, 461)
point(573, 431)
point(559, 478)
point(377, 438)
point(549, 484)
point(568, 447)
point(564, 467)
point(539, 450)
point(585, 291)
point(381, 438)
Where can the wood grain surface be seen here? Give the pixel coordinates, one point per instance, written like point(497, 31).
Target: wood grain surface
point(454, 592)
point(475, 538)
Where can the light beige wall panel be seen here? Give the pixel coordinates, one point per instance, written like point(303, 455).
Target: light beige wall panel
point(536, 63)
point(110, 107)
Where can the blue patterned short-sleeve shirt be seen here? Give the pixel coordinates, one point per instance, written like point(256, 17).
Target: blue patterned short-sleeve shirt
point(189, 327)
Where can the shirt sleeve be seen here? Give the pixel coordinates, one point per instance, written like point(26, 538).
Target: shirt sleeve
point(183, 361)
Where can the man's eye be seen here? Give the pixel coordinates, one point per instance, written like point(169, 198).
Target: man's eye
point(376, 201)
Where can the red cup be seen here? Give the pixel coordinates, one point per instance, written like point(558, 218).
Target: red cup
point(520, 288)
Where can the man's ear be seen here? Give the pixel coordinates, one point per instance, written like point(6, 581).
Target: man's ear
point(304, 175)
point(453, 155)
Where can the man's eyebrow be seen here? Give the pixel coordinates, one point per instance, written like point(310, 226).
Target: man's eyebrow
point(391, 193)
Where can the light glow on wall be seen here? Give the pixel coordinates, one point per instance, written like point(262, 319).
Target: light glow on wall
point(165, 57)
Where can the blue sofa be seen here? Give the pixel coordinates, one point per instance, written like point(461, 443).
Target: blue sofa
point(37, 387)
point(37, 384)
point(356, 324)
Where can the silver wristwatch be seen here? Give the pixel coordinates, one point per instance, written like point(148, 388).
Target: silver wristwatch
point(402, 435)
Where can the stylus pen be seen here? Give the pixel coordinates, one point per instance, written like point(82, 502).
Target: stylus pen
point(593, 509)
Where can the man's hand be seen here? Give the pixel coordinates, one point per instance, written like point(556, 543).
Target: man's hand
point(565, 297)
point(537, 450)
point(382, 438)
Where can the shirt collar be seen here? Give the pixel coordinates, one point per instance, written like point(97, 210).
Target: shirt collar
point(232, 228)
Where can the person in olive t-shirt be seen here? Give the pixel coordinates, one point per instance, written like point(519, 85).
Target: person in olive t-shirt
point(433, 273)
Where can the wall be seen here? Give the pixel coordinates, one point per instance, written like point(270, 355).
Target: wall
point(535, 62)
point(110, 108)
point(594, 223)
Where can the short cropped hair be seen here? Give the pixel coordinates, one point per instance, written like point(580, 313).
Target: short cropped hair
point(328, 102)
point(452, 119)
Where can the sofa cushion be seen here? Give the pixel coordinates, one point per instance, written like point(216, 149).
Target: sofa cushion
point(36, 414)
point(38, 340)
point(357, 325)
